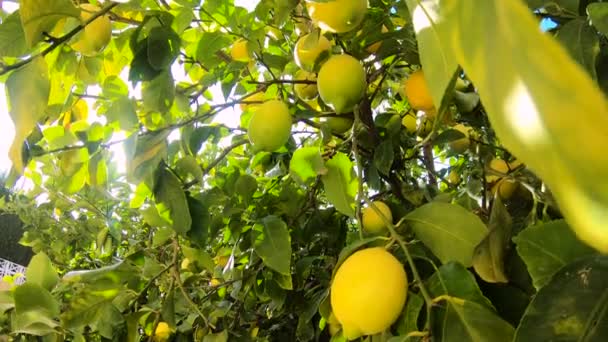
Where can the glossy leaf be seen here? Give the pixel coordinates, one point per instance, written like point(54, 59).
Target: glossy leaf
point(341, 183)
point(582, 43)
point(28, 90)
point(273, 244)
point(521, 75)
point(454, 280)
point(306, 164)
point(490, 254)
point(572, 306)
point(450, 231)
point(547, 247)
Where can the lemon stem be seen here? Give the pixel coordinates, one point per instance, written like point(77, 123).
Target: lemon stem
point(359, 171)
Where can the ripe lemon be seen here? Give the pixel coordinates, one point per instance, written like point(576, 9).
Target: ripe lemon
point(306, 91)
point(505, 187)
point(333, 324)
point(240, 52)
point(270, 126)
point(162, 332)
point(417, 92)
point(368, 292)
point(96, 35)
point(214, 282)
point(337, 16)
point(310, 50)
point(372, 222)
point(409, 122)
point(342, 83)
point(376, 46)
point(339, 125)
point(257, 97)
point(462, 144)
point(499, 166)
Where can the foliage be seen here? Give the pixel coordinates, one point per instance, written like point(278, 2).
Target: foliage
point(198, 232)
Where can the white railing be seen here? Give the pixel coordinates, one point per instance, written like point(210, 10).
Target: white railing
point(9, 268)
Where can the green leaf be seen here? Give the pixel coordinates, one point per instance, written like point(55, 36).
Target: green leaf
point(143, 156)
point(454, 280)
point(490, 254)
point(171, 201)
point(571, 307)
point(518, 69)
point(582, 43)
point(188, 166)
point(123, 111)
point(35, 310)
point(245, 186)
point(6, 301)
point(39, 16)
point(469, 321)
point(448, 230)
point(159, 93)
point(208, 47)
point(272, 243)
point(40, 271)
point(384, 156)
point(306, 164)
point(12, 37)
point(28, 90)
point(199, 257)
point(598, 12)
point(221, 336)
point(408, 321)
point(163, 47)
point(433, 35)
point(547, 247)
point(341, 183)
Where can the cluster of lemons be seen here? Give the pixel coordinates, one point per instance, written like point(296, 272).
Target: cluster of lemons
point(339, 80)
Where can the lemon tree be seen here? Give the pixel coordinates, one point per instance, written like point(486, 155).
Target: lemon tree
point(313, 170)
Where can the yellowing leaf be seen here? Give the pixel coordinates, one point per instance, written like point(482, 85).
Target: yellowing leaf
point(28, 91)
point(543, 106)
point(39, 16)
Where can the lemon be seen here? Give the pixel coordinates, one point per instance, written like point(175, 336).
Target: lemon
point(497, 165)
point(162, 332)
point(462, 144)
point(505, 187)
point(372, 222)
point(221, 260)
point(310, 50)
point(417, 92)
point(306, 91)
point(270, 126)
point(214, 282)
point(257, 97)
point(453, 177)
point(337, 16)
point(333, 324)
point(240, 52)
point(376, 46)
point(342, 83)
point(368, 292)
point(96, 35)
point(339, 125)
point(409, 122)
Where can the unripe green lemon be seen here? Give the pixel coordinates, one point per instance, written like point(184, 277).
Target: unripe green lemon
point(306, 91)
point(96, 35)
point(368, 292)
point(339, 125)
point(342, 83)
point(310, 51)
point(372, 222)
point(270, 126)
point(337, 16)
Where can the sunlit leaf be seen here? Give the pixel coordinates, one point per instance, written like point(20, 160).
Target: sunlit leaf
point(40, 271)
point(273, 244)
point(306, 164)
point(12, 37)
point(171, 201)
point(39, 16)
point(341, 183)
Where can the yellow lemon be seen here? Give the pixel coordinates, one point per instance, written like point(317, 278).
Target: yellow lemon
point(96, 35)
point(417, 92)
point(240, 52)
point(310, 50)
point(498, 166)
point(221, 260)
point(257, 97)
point(409, 122)
point(462, 144)
point(214, 282)
point(368, 292)
point(372, 222)
point(505, 187)
point(306, 91)
point(342, 83)
point(162, 332)
point(270, 126)
point(376, 46)
point(337, 16)
point(333, 324)
point(339, 125)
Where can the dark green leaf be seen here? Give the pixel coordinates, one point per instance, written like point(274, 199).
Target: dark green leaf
point(273, 244)
point(171, 201)
point(598, 12)
point(159, 93)
point(384, 156)
point(454, 280)
point(582, 42)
